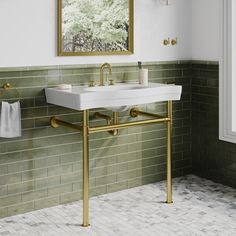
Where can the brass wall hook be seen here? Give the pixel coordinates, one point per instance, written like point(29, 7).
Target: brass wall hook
point(7, 86)
point(174, 41)
point(166, 41)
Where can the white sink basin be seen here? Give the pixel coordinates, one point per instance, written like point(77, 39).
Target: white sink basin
point(114, 87)
point(117, 97)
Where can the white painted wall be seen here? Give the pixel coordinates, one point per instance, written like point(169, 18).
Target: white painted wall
point(28, 33)
point(206, 29)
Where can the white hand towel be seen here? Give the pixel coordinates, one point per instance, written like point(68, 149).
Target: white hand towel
point(10, 123)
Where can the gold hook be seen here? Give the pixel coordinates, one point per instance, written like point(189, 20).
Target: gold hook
point(7, 86)
point(174, 41)
point(166, 41)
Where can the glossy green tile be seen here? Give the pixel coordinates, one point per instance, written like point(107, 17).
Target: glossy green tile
point(34, 195)
point(34, 174)
point(153, 178)
point(127, 156)
point(152, 161)
point(182, 163)
point(117, 186)
point(135, 182)
point(71, 177)
point(10, 157)
point(40, 101)
point(96, 172)
point(98, 190)
point(20, 209)
point(34, 112)
point(10, 179)
point(79, 185)
point(53, 80)
point(21, 187)
point(61, 189)
point(3, 212)
point(137, 164)
point(19, 166)
point(47, 182)
point(59, 170)
point(34, 153)
point(10, 74)
point(31, 92)
point(53, 72)
point(106, 180)
point(27, 123)
point(35, 73)
point(46, 162)
point(60, 149)
point(210, 156)
point(10, 200)
point(18, 146)
point(46, 202)
point(117, 168)
point(3, 169)
point(70, 197)
point(105, 161)
point(3, 190)
point(22, 82)
point(26, 103)
point(126, 175)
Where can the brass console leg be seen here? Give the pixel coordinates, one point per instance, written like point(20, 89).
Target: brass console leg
point(85, 168)
point(115, 122)
point(169, 151)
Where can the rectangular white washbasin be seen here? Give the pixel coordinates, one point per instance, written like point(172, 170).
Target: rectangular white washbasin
point(116, 97)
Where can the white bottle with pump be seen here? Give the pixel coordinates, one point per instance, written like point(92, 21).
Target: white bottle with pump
point(143, 75)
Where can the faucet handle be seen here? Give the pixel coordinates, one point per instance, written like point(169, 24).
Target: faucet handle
point(92, 83)
point(111, 82)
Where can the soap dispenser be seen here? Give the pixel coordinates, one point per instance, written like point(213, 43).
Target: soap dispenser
point(143, 75)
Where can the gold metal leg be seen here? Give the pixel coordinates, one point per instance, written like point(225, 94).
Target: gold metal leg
point(85, 168)
point(115, 122)
point(169, 151)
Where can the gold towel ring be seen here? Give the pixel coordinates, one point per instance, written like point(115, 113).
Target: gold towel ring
point(8, 87)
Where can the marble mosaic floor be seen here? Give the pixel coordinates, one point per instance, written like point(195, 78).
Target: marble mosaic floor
point(200, 207)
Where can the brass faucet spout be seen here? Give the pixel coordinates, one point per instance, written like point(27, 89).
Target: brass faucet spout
point(104, 66)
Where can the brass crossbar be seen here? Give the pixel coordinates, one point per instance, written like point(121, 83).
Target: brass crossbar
point(55, 123)
point(113, 129)
point(126, 125)
point(134, 112)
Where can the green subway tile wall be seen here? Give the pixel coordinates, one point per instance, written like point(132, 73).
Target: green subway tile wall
point(212, 158)
point(43, 168)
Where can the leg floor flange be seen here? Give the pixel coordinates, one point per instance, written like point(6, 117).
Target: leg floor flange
point(85, 225)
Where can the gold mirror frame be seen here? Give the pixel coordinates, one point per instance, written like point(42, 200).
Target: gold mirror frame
point(130, 48)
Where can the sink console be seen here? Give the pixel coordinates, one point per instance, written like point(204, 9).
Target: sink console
point(118, 97)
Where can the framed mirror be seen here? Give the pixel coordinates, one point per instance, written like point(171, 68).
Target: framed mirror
point(95, 27)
